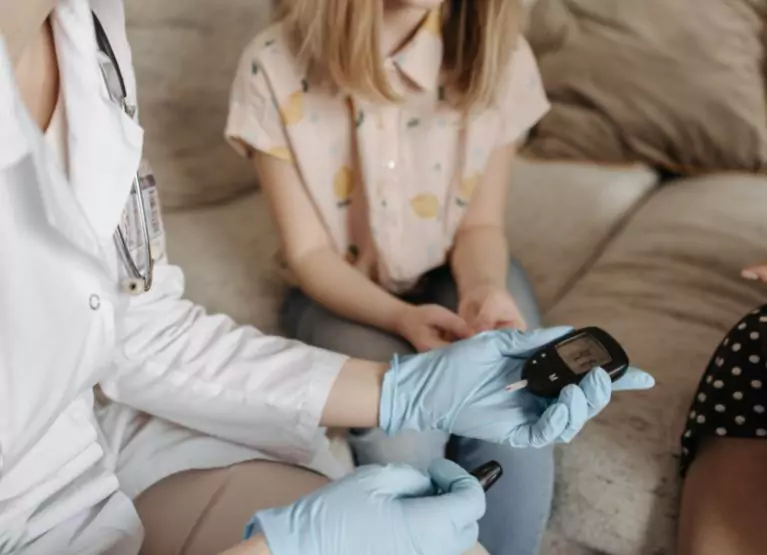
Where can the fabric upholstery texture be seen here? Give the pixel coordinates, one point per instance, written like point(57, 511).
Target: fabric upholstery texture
point(226, 251)
point(186, 55)
point(561, 214)
point(670, 83)
point(668, 288)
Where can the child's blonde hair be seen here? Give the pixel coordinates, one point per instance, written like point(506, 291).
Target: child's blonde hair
point(340, 40)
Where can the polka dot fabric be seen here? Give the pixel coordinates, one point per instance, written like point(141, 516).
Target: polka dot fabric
point(732, 396)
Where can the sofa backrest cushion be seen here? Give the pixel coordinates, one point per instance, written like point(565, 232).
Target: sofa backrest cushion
point(186, 53)
point(676, 84)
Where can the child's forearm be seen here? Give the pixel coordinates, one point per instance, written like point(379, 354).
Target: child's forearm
point(480, 257)
point(341, 288)
point(758, 272)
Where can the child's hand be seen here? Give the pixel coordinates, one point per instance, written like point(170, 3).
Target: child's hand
point(756, 273)
point(430, 326)
point(487, 307)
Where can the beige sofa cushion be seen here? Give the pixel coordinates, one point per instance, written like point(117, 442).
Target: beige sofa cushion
point(561, 214)
point(668, 288)
point(226, 252)
point(185, 54)
point(667, 82)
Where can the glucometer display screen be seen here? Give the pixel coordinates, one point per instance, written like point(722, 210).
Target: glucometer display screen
point(583, 353)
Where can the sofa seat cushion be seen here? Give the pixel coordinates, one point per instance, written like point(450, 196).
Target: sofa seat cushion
point(561, 214)
point(668, 287)
point(226, 252)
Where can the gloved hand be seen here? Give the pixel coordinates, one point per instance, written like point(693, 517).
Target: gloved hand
point(461, 390)
point(380, 510)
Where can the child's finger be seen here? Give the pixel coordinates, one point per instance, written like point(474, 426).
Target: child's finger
point(431, 342)
point(493, 318)
point(468, 311)
point(453, 324)
point(488, 318)
point(504, 322)
point(755, 273)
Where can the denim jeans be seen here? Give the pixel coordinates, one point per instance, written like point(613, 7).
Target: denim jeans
point(519, 504)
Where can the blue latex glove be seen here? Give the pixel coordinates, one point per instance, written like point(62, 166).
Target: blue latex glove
point(380, 510)
point(461, 390)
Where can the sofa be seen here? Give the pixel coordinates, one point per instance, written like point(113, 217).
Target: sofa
point(652, 258)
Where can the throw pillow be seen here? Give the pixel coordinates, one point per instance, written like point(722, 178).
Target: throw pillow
point(676, 84)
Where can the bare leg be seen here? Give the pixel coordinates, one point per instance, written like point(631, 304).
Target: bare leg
point(724, 506)
point(201, 512)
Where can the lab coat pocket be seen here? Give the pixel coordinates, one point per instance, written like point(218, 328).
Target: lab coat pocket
point(132, 131)
point(104, 167)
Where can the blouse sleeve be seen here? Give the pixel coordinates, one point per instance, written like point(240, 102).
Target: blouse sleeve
point(523, 100)
point(254, 121)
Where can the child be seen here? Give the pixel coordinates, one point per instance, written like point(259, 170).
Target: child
point(383, 132)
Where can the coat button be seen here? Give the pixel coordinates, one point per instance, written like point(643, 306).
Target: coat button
point(95, 302)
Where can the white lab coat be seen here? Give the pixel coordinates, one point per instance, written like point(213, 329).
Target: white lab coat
point(71, 459)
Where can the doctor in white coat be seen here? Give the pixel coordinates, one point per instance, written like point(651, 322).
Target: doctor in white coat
point(121, 402)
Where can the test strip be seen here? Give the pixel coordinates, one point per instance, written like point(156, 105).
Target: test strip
point(511, 388)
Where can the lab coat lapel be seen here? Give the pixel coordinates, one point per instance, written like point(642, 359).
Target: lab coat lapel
point(37, 192)
point(104, 143)
point(12, 135)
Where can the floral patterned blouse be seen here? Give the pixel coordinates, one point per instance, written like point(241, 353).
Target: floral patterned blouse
point(391, 182)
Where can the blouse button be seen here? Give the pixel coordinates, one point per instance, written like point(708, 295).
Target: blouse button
point(95, 302)
point(391, 164)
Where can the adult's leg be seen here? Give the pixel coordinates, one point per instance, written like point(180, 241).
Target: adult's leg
point(724, 448)
point(724, 504)
point(205, 512)
point(307, 321)
point(519, 505)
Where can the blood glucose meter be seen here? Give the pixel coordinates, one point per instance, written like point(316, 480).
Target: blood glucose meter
point(568, 359)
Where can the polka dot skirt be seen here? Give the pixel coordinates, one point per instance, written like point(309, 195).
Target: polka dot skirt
point(732, 396)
